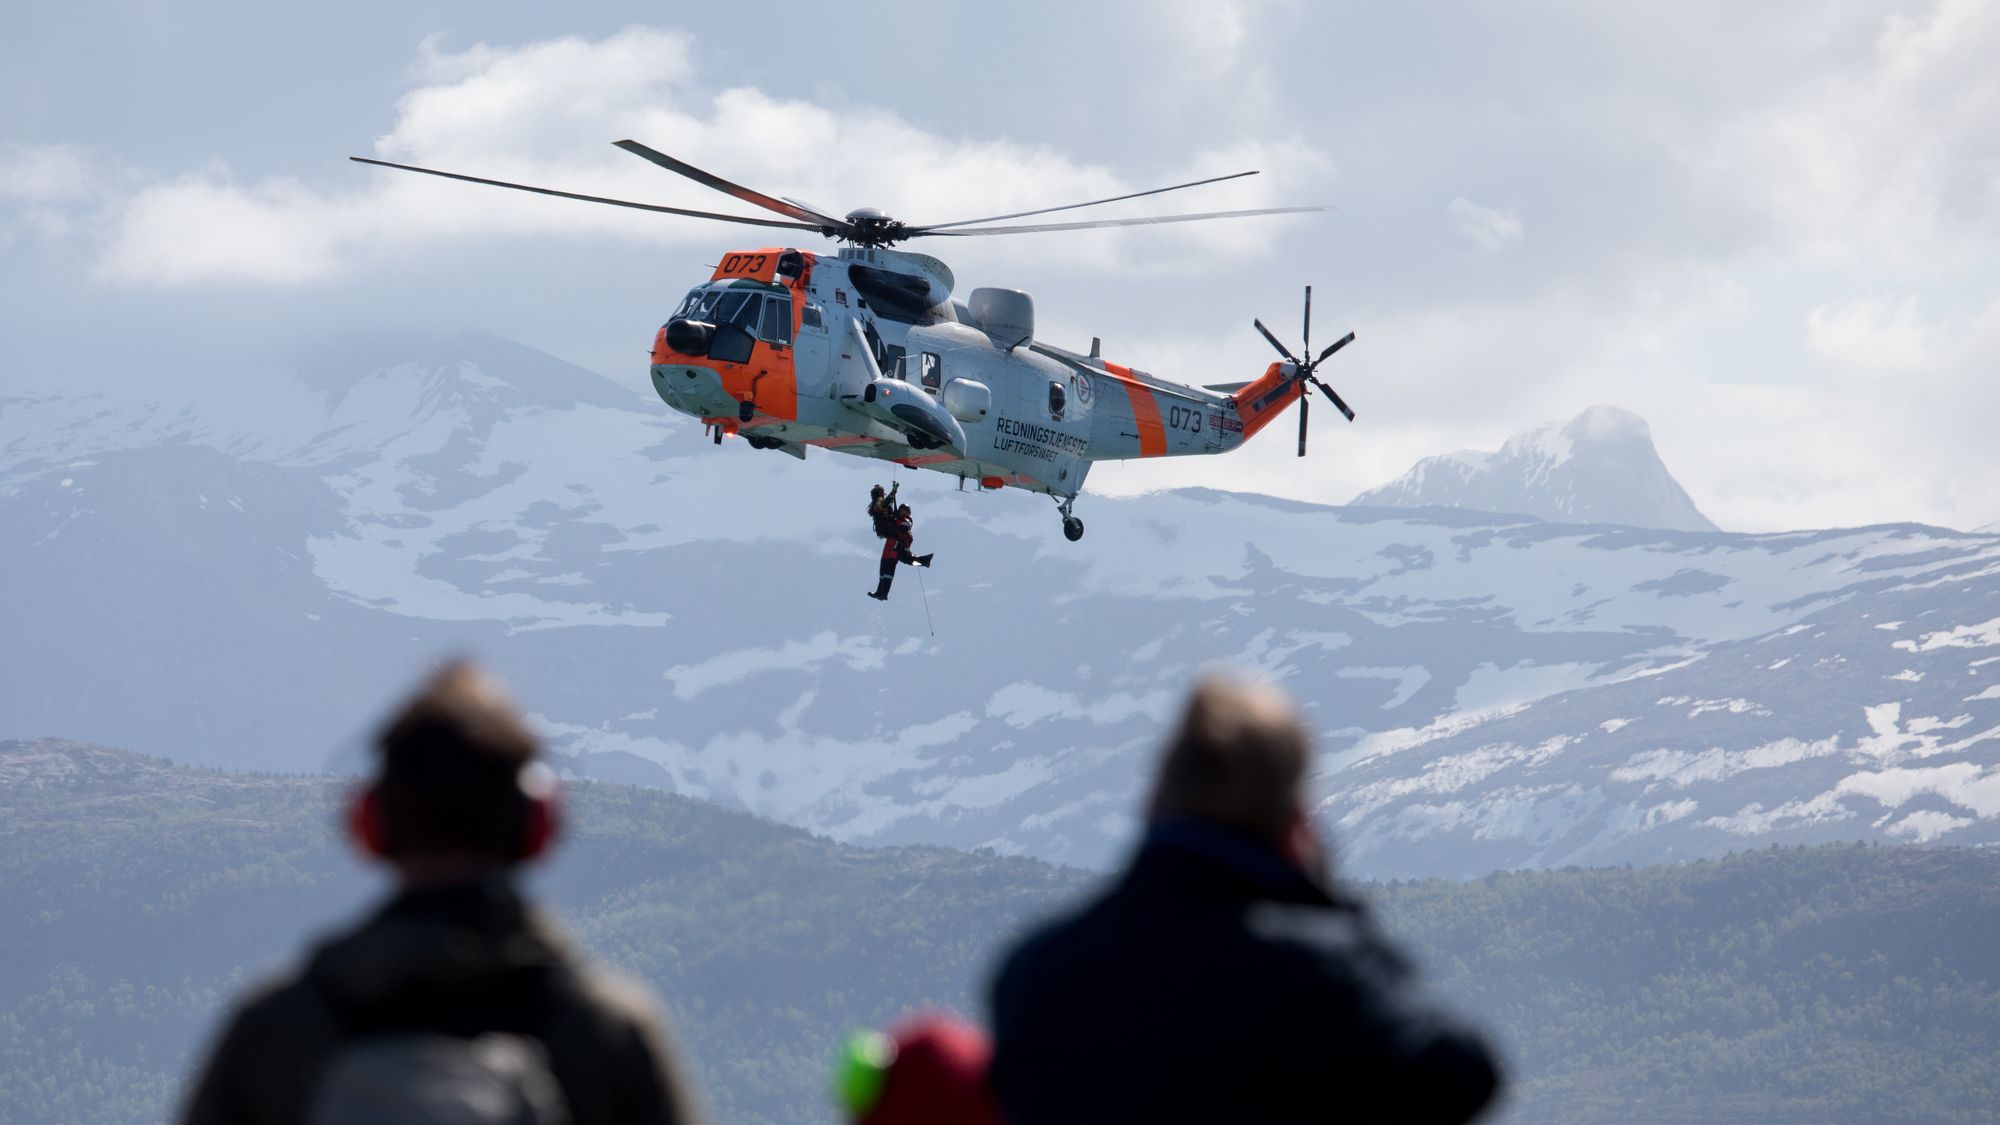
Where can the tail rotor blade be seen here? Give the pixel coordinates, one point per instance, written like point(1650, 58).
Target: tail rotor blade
point(1338, 403)
point(1333, 347)
point(1282, 349)
point(1305, 401)
point(1308, 347)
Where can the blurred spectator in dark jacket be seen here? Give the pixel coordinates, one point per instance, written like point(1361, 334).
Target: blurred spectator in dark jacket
point(1223, 977)
point(456, 1000)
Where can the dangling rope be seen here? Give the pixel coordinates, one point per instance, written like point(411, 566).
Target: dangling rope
point(927, 599)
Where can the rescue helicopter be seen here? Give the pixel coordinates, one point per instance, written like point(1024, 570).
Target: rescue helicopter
point(866, 351)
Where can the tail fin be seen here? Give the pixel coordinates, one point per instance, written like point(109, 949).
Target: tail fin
point(1265, 398)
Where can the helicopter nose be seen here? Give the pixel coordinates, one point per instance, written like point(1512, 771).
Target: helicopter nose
point(690, 337)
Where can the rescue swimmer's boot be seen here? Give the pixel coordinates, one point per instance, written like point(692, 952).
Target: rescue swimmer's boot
point(881, 591)
point(923, 560)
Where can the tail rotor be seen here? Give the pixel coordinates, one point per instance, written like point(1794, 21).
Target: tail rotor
point(1303, 370)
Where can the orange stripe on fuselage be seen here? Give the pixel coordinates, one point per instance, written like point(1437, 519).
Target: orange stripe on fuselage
point(1145, 412)
point(1264, 400)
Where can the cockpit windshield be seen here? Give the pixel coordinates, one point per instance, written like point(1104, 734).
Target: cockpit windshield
point(762, 313)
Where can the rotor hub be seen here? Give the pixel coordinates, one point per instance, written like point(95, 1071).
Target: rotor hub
point(872, 226)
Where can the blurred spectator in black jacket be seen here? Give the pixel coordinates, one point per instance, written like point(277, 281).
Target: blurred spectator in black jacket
point(1223, 977)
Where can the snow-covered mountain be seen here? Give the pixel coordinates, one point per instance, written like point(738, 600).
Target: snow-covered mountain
point(1599, 467)
point(250, 588)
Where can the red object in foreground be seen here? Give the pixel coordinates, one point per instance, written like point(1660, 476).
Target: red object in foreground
point(938, 1076)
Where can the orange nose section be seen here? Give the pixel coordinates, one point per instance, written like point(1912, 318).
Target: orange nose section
point(661, 353)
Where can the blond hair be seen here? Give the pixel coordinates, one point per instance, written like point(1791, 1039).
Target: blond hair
point(1237, 760)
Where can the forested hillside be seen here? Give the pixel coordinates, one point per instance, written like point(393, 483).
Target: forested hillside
point(1827, 984)
point(1830, 984)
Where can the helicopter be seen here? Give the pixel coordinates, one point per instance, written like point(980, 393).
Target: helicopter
point(866, 351)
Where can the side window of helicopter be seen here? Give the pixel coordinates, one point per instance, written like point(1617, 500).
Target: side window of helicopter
point(776, 327)
point(811, 318)
point(932, 371)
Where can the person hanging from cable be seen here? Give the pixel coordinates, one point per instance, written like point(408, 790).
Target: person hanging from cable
point(896, 549)
point(882, 510)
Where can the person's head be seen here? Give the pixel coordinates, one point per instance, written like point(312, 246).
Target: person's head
point(903, 511)
point(457, 784)
point(875, 493)
point(1238, 761)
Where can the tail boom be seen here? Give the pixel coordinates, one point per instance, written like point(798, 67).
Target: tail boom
point(1265, 398)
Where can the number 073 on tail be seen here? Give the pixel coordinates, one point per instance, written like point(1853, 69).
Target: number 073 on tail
point(865, 350)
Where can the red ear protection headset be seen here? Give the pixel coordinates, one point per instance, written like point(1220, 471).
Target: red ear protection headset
point(541, 816)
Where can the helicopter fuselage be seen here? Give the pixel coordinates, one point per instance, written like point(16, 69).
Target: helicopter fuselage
point(865, 352)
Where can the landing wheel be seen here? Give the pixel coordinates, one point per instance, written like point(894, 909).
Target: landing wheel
point(1072, 528)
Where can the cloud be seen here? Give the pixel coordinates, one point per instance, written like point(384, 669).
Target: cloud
point(544, 113)
point(40, 188)
point(202, 228)
point(47, 174)
point(1888, 161)
point(1485, 227)
point(1868, 332)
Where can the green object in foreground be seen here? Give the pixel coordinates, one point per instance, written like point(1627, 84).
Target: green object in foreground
point(862, 1068)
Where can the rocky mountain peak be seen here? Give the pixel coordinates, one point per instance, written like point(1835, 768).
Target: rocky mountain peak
point(1598, 467)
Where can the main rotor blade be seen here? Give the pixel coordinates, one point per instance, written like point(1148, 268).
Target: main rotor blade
point(1282, 349)
point(1307, 347)
point(1305, 400)
point(928, 227)
point(1338, 403)
point(747, 195)
point(1334, 347)
point(755, 222)
point(1148, 221)
point(802, 203)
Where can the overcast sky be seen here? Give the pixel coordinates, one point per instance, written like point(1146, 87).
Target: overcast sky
point(1768, 229)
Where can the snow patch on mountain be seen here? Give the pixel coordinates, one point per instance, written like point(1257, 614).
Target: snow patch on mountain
point(1485, 690)
point(1599, 467)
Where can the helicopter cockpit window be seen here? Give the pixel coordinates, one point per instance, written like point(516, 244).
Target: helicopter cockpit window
point(766, 316)
point(737, 308)
point(698, 304)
